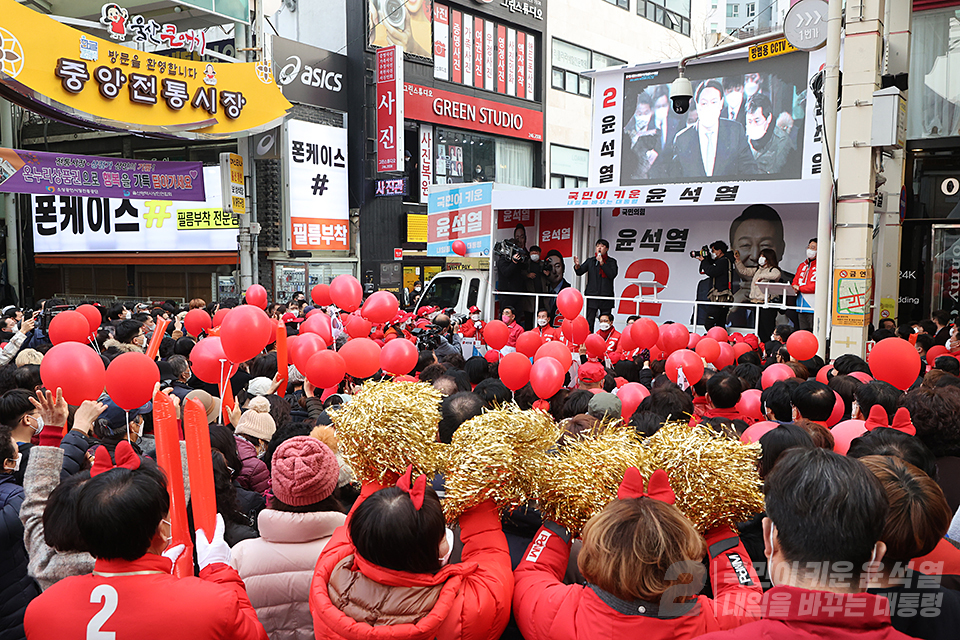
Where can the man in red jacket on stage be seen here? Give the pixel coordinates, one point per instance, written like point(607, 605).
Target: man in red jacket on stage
point(805, 283)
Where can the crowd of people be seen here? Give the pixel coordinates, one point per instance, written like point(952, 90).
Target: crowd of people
point(858, 534)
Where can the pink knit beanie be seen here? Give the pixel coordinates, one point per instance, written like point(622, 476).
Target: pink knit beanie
point(305, 471)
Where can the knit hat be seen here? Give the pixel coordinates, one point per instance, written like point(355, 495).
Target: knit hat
point(210, 404)
point(259, 386)
point(305, 471)
point(256, 421)
point(28, 356)
point(605, 404)
point(591, 372)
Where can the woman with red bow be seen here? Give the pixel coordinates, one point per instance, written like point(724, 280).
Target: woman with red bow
point(385, 574)
point(636, 555)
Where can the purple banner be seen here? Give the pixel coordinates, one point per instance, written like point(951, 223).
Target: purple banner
point(63, 174)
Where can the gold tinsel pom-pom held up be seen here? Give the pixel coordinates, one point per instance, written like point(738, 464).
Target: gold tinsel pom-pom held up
point(497, 455)
point(389, 425)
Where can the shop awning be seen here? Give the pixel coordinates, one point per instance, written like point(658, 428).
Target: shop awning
point(177, 258)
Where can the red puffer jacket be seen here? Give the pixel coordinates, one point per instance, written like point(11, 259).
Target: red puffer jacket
point(469, 600)
point(547, 609)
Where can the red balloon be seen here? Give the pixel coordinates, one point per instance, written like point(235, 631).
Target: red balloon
point(757, 430)
point(896, 362)
point(93, 316)
point(346, 293)
point(380, 307)
point(627, 344)
point(570, 302)
point(749, 404)
point(459, 247)
point(304, 348)
point(362, 356)
point(802, 345)
point(631, 395)
point(566, 330)
point(69, 326)
point(775, 373)
point(596, 345)
point(219, 316)
point(741, 348)
point(845, 433)
point(130, 380)
point(325, 369)
point(245, 332)
point(934, 352)
point(645, 333)
point(657, 354)
point(74, 368)
point(196, 321)
point(719, 334)
point(515, 370)
point(492, 356)
point(861, 376)
point(546, 376)
point(398, 357)
point(689, 361)
point(496, 334)
point(205, 360)
point(257, 296)
point(726, 357)
point(581, 329)
point(694, 340)
point(675, 337)
point(528, 343)
point(708, 349)
point(822, 373)
point(358, 326)
point(838, 409)
point(556, 350)
point(321, 295)
point(319, 324)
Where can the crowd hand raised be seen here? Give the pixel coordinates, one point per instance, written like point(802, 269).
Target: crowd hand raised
point(215, 551)
point(576, 261)
point(85, 415)
point(234, 415)
point(277, 380)
point(54, 411)
point(27, 325)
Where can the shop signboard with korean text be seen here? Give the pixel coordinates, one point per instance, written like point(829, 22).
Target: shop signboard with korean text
point(851, 297)
point(67, 223)
point(315, 165)
point(63, 174)
point(427, 104)
point(390, 111)
point(60, 71)
point(462, 212)
point(531, 14)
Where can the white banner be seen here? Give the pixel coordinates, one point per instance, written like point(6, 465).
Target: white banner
point(441, 42)
point(426, 161)
point(468, 50)
point(318, 201)
point(81, 224)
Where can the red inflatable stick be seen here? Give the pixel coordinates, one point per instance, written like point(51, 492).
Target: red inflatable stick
point(200, 465)
point(168, 458)
point(282, 358)
point(158, 332)
point(227, 401)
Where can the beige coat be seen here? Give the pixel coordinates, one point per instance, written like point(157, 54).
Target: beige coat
point(758, 274)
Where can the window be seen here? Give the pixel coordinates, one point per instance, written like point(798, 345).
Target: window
point(751, 9)
point(623, 4)
point(713, 4)
point(733, 11)
point(713, 27)
point(569, 61)
point(568, 167)
point(672, 14)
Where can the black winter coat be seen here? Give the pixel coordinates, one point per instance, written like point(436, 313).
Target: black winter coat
point(597, 285)
point(17, 588)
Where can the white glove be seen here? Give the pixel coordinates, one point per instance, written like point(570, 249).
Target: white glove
point(212, 552)
point(173, 554)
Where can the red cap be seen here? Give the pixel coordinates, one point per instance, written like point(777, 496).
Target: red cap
point(422, 311)
point(474, 309)
point(591, 372)
point(752, 340)
point(492, 356)
point(289, 317)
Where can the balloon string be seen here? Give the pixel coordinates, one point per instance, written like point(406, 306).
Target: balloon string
point(126, 415)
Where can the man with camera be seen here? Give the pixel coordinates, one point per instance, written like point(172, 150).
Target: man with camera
point(715, 263)
point(512, 267)
point(447, 338)
point(601, 270)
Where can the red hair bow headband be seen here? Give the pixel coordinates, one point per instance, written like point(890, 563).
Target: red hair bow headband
point(658, 488)
point(416, 489)
point(901, 420)
point(126, 457)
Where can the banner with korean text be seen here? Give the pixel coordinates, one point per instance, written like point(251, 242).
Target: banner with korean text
point(460, 212)
point(390, 109)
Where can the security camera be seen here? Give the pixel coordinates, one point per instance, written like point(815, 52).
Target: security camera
point(681, 91)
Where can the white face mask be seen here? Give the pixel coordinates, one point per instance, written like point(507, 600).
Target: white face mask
point(604, 326)
point(542, 322)
point(16, 463)
point(446, 557)
point(475, 317)
point(127, 314)
point(761, 261)
point(167, 539)
point(40, 424)
point(811, 254)
point(534, 257)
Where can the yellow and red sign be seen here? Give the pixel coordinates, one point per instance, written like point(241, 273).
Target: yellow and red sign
point(60, 70)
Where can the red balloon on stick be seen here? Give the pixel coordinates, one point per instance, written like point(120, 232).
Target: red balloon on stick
point(566, 330)
point(245, 332)
point(657, 354)
point(822, 373)
point(631, 395)
point(496, 334)
point(398, 357)
point(694, 340)
point(304, 348)
point(321, 295)
point(675, 337)
point(362, 356)
point(256, 295)
point(645, 333)
point(319, 324)
point(570, 302)
point(93, 316)
point(846, 432)
point(219, 316)
point(741, 348)
point(596, 345)
point(802, 345)
point(757, 430)
point(130, 380)
point(689, 362)
point(749, 405)
point(69, 326)
point(861, 376)
point(556, 350)
point(205, 360)
point(380, 307)
point(719, 334)
point(627, 344)
point(74, 368)
point(546, 376)
point(346, 292)
point(895, 361)
point(708, 349)
point(357, 326)
point(459, 247)
point(515, 370)
point(528, 343)
point(197, 321)
point(934, 352)
point(325, 369)
point(726, 357)
point(775, 373)
point(838, 409)
point(581, 329)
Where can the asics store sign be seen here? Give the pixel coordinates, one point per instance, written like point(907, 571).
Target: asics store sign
point(310, 75)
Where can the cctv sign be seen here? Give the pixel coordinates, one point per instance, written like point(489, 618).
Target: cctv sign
point(310, 75)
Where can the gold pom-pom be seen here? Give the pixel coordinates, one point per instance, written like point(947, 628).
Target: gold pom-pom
point(579, 480)
point(496, 455)
point(389, 425)
point(714, 477)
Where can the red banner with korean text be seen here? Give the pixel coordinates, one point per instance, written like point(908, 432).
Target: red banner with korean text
point(390, 109)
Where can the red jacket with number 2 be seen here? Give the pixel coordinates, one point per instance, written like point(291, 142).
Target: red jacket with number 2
point(141, 600)
point(547, 609)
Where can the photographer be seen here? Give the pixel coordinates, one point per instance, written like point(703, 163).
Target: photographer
point(512, 267)
point(448, 340)
point(716, 264)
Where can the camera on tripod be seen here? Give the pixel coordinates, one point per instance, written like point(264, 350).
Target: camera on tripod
point(510, 250)
point(704, 252)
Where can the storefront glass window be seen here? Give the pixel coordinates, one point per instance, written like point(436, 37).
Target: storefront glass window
point(933, 109)
point(469, 157)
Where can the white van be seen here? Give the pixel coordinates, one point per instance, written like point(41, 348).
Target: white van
point(459, 290)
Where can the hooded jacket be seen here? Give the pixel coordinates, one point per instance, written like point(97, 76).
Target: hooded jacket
point(354, 599)
point(254, 475)
point(17, 589)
